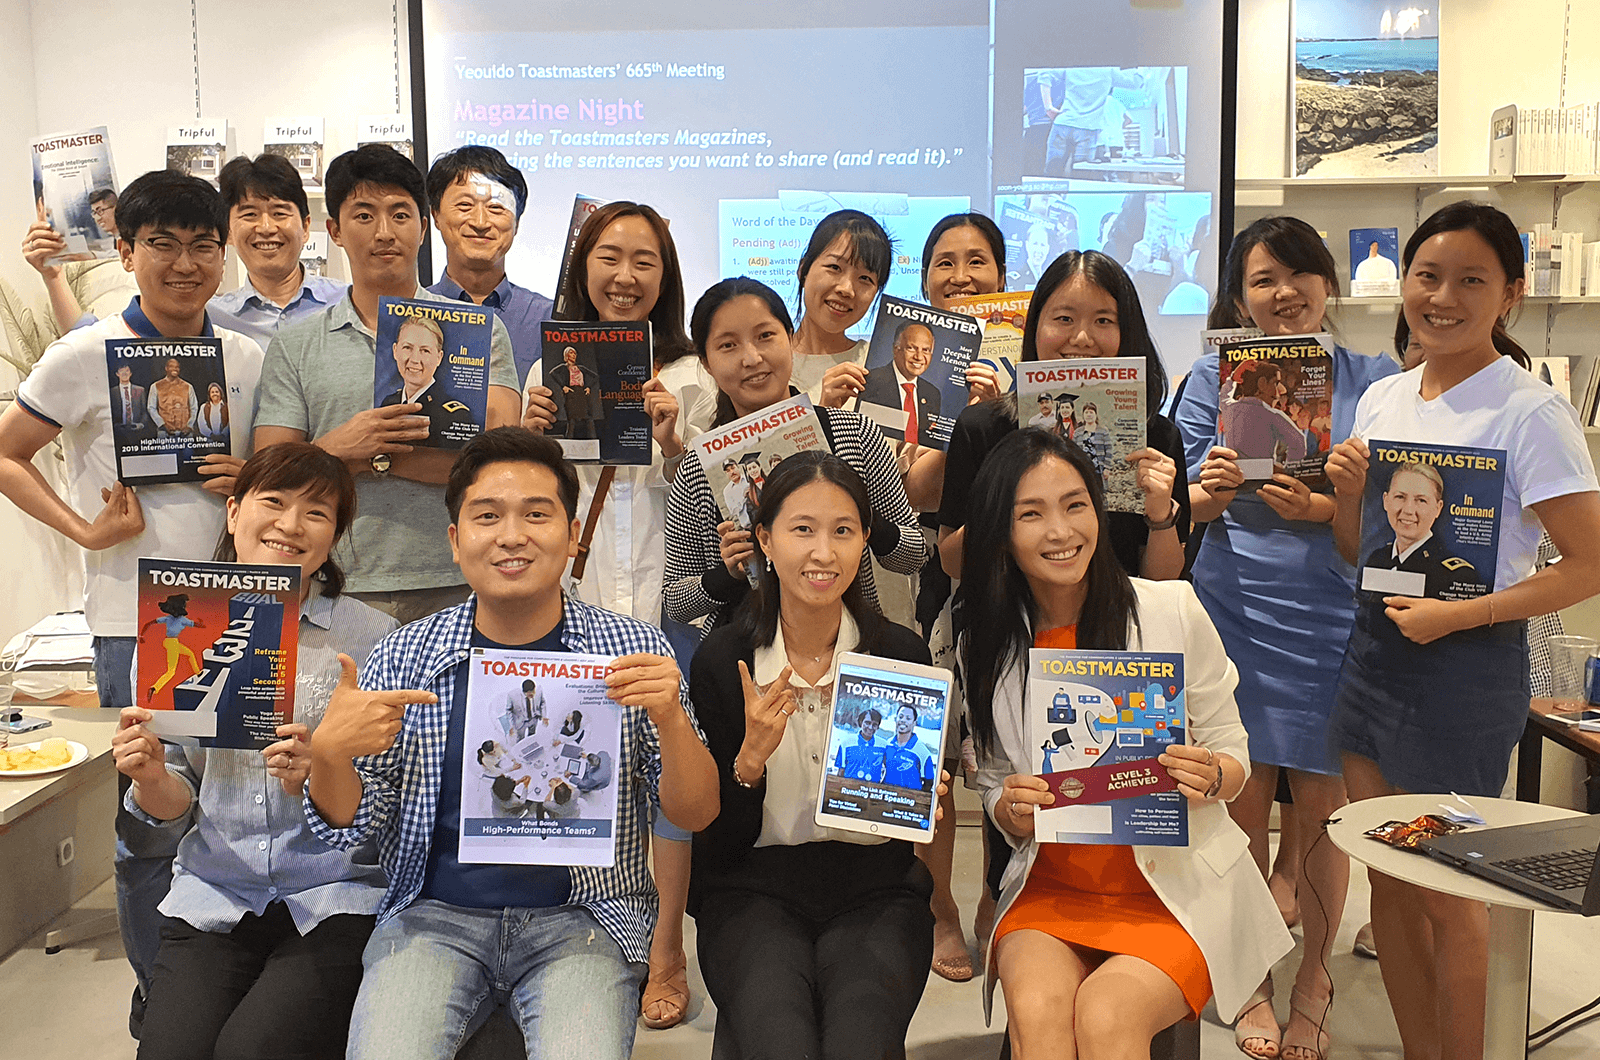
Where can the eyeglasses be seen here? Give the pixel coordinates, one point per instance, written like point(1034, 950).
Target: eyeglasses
point(167, 251)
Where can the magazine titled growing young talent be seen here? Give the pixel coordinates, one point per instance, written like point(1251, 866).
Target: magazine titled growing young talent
point(738, 457)
point(1430, 520)
point(1097, 402)
point(540, 759)
point(215, 656)
point(1098, 721)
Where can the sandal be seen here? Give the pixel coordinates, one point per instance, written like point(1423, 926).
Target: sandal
point(1314, 1013)
point(955, 964)
point(1243, 1036)
point(668, 994)
point(1365, 945)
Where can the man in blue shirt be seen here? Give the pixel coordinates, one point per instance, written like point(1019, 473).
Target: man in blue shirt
point(268, 216)
point(477, 198)
point(907, 763)
point(563, 948)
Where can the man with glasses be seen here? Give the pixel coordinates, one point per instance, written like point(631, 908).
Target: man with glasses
point(171, 228)
point(268, 219)
point(42, 242)
point(103, 208)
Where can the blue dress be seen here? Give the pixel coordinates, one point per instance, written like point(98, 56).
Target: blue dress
point(1280, 595)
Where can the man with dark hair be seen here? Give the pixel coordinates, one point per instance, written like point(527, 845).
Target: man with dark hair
point(862, 760)
point(907, 762)
point(316, 385)
point(103, 207)
point(172, 228)
point(268, 218)
point(477, 198)
point(387, 765)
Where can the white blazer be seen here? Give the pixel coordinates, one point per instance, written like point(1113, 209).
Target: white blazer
point(1211, 886)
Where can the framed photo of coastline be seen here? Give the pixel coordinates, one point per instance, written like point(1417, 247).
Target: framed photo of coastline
point(1365, 87)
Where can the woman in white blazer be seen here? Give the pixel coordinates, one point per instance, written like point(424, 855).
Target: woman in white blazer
point(1036, 520)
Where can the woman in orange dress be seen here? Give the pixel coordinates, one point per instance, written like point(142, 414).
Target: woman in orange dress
point(1100, 947)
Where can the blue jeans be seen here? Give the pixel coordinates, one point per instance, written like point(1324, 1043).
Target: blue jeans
point(144, 854)
point(1068, 146)
point(434, 973)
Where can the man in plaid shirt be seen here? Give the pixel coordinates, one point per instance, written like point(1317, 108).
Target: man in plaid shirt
point(564, 948)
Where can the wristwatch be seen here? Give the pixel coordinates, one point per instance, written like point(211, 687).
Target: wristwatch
point(380, 464)
point(1169, 522)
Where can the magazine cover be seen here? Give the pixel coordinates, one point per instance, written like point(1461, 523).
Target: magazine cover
point(215, 657)
point(746, 449)
point(1099, 720)
point(1098, 402)
point(596, 373)
point(300, 141)
point(391, 129)
point(1430, 520)
point(566, 300)
point(1276, 406)
point(917, 371)
point(435, 354)
point(169, 407)
point(75, 189)
point(540, 759)
point(200, 150)
point(1374, 262)
point(1002, 317)
point(1503, 143)
point(883, 747)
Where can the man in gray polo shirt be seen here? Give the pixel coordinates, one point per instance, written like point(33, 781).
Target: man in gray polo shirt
point(317, 383)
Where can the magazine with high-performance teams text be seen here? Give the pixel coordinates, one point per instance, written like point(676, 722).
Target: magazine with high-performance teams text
point(540, 760)
point(738, 457)
point(596, 374)
point(1097, 402)
point(1430, 520)
point(1098, 720)
point(75, 190)
point(566, 299)
point(435, 354)
point(215, 656)
point(1275, 406)
point(171, 407)
point(1002, 317)
point(917, 371)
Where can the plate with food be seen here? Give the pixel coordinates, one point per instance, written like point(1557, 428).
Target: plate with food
point(45, 756)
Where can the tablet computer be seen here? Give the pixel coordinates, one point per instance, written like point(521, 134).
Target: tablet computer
point(885, 739)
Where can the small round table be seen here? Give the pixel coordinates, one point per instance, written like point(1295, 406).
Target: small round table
point(1505, 1019)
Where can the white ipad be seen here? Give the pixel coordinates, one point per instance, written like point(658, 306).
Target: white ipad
point(885, 738)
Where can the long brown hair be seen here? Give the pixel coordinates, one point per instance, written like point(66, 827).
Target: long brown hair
point(666, 316)
point(293, 466)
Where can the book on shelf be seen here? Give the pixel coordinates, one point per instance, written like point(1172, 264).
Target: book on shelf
point(300, 141)
point(200, 150)
point(73, 178)
point(391, 129)
point(1503, 141)
point(1557, 372)
point(1374, 262)
point(596, 373)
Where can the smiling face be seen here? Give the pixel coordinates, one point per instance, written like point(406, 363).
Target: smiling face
point(1412, 503)
point(814, 542)
point(838, 290)
point(1037, 247)
point(624, 270)
point(1079, 319)
point(749, 355)
point(962, 263)
point(296, 527)
point(177, 290)
point(380, 229)
point(513, 539)
point(214, 393)
point(913, 351)
point(869, 727)
point(1454, 292)
point(1091, 416)
point(477, 219)
point(417, 353)
point(1280, 300)
point(174, 368)
point(1054, 529)
point(905, 720)
point(268, 234)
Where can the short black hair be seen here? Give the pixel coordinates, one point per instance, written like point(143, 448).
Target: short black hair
point(102, 195)
point(265, 176)
point(511, 445)
point(475, 158)
point(379, 165)
point(529, 685)
point(165, 198)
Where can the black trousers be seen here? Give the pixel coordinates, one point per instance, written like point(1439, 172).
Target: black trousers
point(261, 990)
point(794, 979)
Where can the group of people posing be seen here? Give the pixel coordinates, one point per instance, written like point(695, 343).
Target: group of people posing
point(320, 877)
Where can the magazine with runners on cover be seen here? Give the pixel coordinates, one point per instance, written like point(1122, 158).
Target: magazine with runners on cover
point(1098, 720)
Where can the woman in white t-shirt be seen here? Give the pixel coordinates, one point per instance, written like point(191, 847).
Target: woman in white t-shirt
point(1434, 693)
point(845, 265)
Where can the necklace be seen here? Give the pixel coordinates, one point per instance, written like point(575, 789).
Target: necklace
point(817, 658)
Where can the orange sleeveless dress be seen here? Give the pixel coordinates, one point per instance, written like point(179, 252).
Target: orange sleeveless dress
point(1094, 897)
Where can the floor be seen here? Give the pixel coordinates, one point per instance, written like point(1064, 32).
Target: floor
point(74, 1004)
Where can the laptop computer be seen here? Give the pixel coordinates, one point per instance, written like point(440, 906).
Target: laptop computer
point(1557, 862)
